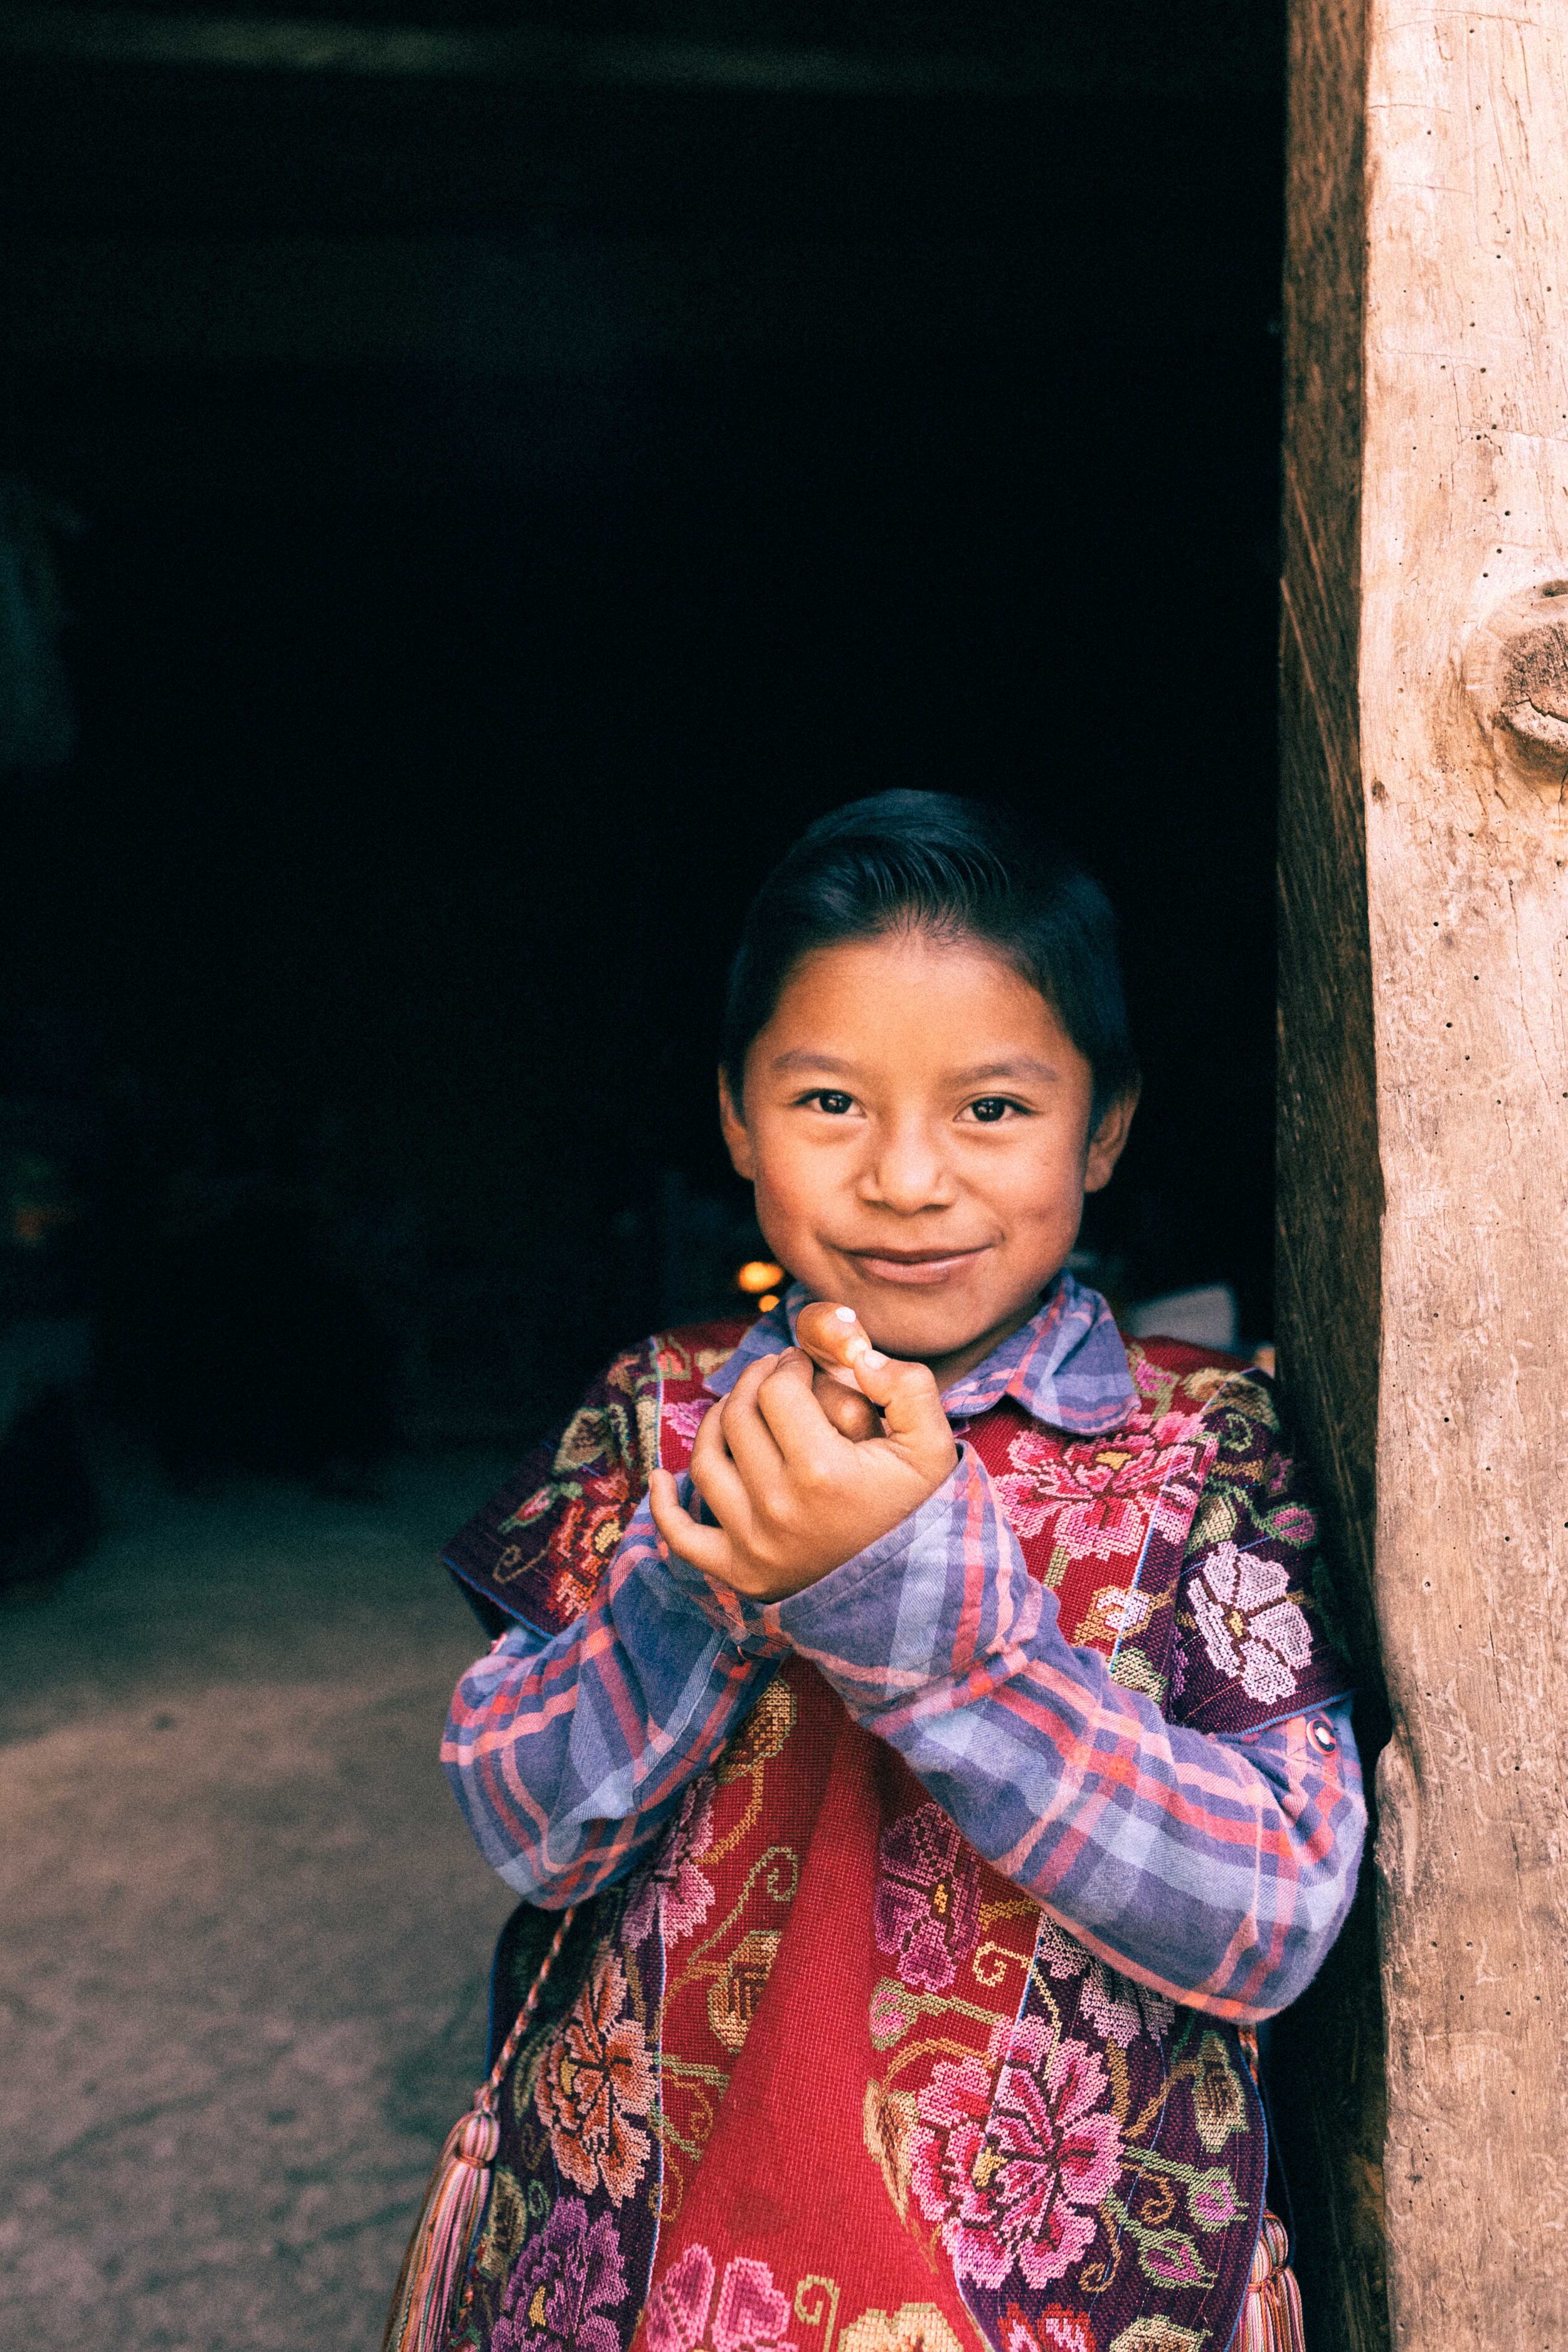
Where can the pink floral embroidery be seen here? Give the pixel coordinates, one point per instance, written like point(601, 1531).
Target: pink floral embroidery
point(672, 1887)
point(1250, 1629)
point(1096, 1492)
point(1007, 2157)
point(749, 2315)
point(596, 2076)
point(687, 1418)
point(926, 1910)
point(1127, 1462)
point(536, 1505)
point(1175, 2259)
point(1214, 2200)
point(678, 2307)
point(1105, 1527)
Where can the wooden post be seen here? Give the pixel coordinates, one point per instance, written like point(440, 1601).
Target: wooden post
point(1425, 893)
point(1328, 2060)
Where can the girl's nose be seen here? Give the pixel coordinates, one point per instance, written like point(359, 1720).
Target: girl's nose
point(906, 1170)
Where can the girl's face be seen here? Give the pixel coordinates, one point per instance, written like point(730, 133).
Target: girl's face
point(916, 1122)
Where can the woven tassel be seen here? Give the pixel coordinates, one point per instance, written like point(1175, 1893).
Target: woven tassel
point(1271, 2316)
point(437, 2258)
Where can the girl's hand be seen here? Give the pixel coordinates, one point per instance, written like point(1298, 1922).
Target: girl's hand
point(832, 1337)
point(793, 1498)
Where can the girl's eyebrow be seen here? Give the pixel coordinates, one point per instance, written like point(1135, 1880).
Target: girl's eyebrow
point(803, 1058)
point(1022, 1065)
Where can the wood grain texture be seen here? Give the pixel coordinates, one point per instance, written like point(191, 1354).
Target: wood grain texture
point(1329, 1186)
point(1328, 2060)
point(1428, 518)
point(1465, 503)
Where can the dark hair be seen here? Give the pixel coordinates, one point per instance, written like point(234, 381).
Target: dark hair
point(961, 869)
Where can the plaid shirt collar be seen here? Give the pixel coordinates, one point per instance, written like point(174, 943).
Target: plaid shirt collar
point(1066, 1366)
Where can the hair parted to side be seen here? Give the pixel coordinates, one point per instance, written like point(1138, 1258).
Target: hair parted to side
point(959, 869)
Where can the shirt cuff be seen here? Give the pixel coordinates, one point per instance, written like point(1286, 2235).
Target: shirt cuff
point(741, 1621)
point(941, 1594)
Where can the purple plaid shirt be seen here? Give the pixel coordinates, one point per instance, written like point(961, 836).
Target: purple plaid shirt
point(1216, 1870)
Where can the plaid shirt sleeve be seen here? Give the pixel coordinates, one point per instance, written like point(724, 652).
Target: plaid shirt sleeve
point(1217, 1870)
point(568, 1755)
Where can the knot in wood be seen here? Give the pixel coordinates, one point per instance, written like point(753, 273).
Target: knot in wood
point(1535, 688)
point(1516, 669)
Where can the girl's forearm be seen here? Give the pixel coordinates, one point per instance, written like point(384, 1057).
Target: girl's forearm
point(1216, 1871)
point(567, 1756)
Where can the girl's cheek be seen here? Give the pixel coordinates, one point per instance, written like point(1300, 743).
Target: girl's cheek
point(795, 1190)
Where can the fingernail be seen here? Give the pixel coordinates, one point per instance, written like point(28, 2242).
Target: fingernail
point(869, 1356)
point(845, 1314)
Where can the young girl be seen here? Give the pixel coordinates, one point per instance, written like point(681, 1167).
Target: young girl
point(912, 1826)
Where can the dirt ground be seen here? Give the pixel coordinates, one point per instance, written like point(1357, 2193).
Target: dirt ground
point(244, 1936)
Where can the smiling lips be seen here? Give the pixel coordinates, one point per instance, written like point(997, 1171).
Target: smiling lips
point(914, 1269)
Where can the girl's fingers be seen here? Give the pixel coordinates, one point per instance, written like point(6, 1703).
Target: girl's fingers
point(906, 1394)
point(806, 1439)
point(853, 1415)
point(834, 1338)
point(910, 1405)
point(707, 1549)
point(751, 1443)
point(719, 1482)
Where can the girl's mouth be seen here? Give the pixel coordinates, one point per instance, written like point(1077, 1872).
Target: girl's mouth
point(914, 1269)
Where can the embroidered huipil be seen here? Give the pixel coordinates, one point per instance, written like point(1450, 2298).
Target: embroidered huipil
point(1008, 1821)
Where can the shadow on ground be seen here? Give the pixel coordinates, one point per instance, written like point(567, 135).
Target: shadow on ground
point(245, 1934)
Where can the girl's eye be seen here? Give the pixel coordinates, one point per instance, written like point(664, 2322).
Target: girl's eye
point(828, 1099)
point(990, 1107)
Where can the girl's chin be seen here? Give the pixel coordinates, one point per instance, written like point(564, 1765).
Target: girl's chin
point(927, 1327)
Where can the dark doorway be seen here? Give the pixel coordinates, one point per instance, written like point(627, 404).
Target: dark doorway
point(446, 688)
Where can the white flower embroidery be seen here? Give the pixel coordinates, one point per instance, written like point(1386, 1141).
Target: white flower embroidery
point(1251, 1630)
point(1112, 2003)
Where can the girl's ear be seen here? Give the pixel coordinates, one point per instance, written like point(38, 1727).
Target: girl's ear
point(736, 1137)
point(1105, 1145)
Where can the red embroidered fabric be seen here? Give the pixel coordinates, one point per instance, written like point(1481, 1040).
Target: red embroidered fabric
point(831, 2080)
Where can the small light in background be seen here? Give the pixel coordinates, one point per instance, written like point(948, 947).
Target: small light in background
point(760, 1279)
